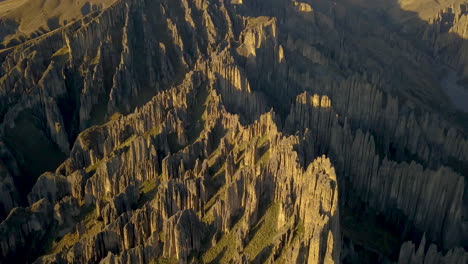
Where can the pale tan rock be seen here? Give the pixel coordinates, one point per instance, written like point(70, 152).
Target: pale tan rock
point(225, 117)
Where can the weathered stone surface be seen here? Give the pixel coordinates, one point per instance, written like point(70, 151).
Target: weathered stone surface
point(24, 229)
point(50, 186)
point(184, 234)
point(410, 254)
point(233, 132)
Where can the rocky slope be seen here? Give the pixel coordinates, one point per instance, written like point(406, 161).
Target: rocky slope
point(227, 131)
point(22, 20)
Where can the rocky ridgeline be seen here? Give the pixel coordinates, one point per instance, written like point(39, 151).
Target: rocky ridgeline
point(258, 183)
point(227, 131)
point(448, 36)
point(385, 185)
point(366, 100)
point(78, 76)
point(410, 254)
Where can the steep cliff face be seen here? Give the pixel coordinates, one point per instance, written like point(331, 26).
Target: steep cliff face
point(23, 20)
point(204, 201)
point(55, 86)
point(233, 132)
point(410, 254)
point(446, 33)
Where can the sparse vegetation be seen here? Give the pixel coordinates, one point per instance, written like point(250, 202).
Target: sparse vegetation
point(262, 147)
point(127, 142)
point(226, 244)
point(148, 186)
point(61, 52)
point(213, 199)
point(172, 260)
point(116, 116)
point(300, 229)
point(88, 217)
point(262, 141)
point(93, 167)
point(152, 132)
point(264, 158)
point(266, 231)
point(232, 104)
point(148, 190)
point(95, 60)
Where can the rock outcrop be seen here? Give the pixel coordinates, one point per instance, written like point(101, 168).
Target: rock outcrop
point(410, 254)
point(228, 131)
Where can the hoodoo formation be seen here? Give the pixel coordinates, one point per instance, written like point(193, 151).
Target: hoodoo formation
point(234, 131)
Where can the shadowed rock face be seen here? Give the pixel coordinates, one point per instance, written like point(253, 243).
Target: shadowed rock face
point(218, 131)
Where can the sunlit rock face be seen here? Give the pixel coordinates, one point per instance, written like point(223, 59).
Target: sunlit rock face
point(303, 7)
point(23, 20)
point(227, 131)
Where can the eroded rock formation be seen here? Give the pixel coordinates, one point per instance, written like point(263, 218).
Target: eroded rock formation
point(227, 131)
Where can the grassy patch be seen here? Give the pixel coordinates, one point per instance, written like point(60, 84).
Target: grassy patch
point(226, 244)
point(262, 141)
point(61, 52)
point(218, 177)
point(266, 230)
point(208, 217)
point(162, 236)
point(218, 182)
point(65, 242)
point(262, 147)
point(127, 142)
point(92, 168)
point(161, 260)
point(219, 173)
point(96, 60)
point(115, 116)
point(213, 157)
point(264, 235)
point(87, 216)
point(299, 230)
point(148, 191)
point(264, 158)
point(147, 186)
point(213, 199)
point(152, 132)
